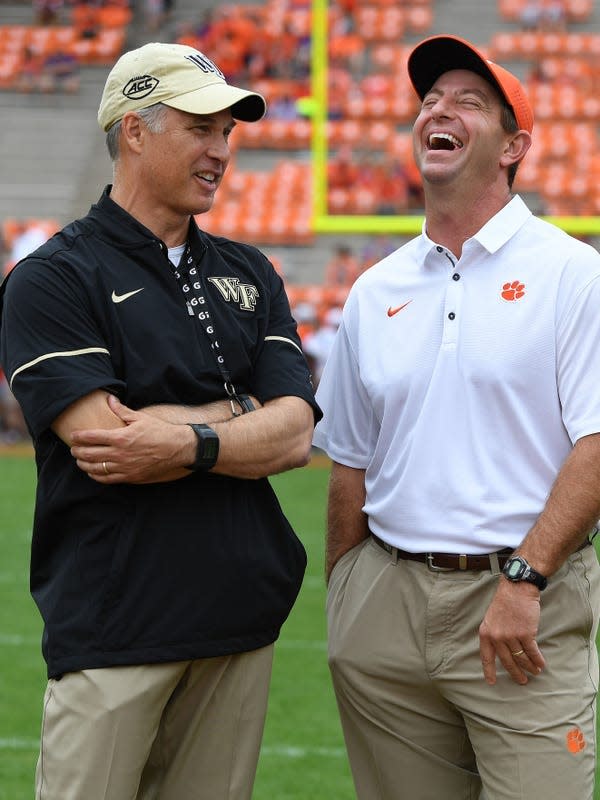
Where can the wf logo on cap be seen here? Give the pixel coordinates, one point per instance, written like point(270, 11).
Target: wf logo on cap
point(205, 64)
point(140, 86)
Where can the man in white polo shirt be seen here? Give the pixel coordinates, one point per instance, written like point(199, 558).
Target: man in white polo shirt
point(462, 413)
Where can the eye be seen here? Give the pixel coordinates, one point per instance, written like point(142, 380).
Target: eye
point(474, 102)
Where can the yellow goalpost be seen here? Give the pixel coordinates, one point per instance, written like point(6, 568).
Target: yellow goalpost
point(315, 107)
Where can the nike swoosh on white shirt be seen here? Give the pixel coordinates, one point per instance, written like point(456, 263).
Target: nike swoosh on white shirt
point(118, 298)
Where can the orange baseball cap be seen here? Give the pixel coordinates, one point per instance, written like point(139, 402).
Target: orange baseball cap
point(439, 54)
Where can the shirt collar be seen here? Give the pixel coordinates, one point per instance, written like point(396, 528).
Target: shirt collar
point(493, 235)
point(127, 231)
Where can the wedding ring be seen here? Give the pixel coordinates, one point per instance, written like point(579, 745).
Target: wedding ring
point(105, 468)
point(518, 653)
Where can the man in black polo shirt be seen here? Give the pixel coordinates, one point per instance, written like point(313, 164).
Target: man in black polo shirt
point(162, 379)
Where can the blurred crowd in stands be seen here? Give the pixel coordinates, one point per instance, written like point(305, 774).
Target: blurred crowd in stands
point(543, 15)
point(65, 35)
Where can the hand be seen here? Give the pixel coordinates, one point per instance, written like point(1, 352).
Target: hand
point(509, 631)
point(146, 450)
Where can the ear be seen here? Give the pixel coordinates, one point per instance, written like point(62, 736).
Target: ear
point(516, 147)
point(132, 132)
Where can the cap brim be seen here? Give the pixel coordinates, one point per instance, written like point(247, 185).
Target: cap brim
point(245, 106)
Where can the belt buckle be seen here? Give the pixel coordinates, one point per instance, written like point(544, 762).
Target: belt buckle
point(431, 566)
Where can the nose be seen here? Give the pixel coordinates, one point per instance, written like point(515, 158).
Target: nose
point(440, 108)
point(219, 148)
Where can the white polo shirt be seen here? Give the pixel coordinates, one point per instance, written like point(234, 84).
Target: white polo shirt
point(461, 385)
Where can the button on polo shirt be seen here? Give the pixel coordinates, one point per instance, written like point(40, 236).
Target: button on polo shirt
point(463, 406)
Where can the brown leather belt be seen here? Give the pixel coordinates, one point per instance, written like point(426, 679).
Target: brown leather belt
point(442, 562)
point(446, 561)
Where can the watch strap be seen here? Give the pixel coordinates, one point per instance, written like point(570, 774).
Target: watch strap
point(526, 573)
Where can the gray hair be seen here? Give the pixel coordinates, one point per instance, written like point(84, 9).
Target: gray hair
point(153, 117)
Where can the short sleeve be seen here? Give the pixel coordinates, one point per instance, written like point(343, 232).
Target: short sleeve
point(578, 362)
point(50, 345)
point(280, 368)
point(348, 430)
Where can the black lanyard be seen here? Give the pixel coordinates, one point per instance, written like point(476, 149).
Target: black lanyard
point(190, 282)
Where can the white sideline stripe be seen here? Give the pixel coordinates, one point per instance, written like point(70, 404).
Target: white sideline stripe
point(17, 640)
point(19, 744)
point(302, 644)
point(279, 750)
point(288, 751)
point(313, 582)
point(13, 577)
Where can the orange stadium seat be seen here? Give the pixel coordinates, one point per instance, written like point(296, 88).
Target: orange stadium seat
point(380, 24)
point(419, 19)
point(345, 132)
point(507, 46)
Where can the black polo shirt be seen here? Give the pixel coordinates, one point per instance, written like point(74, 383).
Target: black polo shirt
point(202, 566)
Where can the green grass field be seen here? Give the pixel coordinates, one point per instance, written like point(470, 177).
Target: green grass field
point(303, 755)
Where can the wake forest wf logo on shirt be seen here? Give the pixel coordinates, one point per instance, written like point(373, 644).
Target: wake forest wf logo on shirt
point(232, 291)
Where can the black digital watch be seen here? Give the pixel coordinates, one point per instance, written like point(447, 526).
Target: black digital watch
point(207, 450)
point(518, 569)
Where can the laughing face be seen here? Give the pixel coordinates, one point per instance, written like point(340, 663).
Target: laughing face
point(458, 133)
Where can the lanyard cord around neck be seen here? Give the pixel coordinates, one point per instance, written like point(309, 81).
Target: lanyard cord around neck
point(190, 283)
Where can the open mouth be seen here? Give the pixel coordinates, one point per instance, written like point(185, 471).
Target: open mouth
point(207, 177)
point(444, 141)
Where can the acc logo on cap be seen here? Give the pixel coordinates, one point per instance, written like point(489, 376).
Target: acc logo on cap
point(140, 87)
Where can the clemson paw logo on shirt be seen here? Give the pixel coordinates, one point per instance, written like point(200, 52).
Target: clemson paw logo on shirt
point(575, 740)
point(513, 291)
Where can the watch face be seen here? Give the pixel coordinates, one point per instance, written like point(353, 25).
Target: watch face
point(211, 448)
point(514, 568)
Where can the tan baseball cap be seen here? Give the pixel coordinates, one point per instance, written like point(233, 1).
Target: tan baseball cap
point(439, 54)
point(179, 77)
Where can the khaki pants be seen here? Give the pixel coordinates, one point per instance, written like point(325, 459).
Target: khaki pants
point(180, 731)
point(419, 721)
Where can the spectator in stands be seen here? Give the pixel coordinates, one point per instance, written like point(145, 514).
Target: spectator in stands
point(29, 78)
point(154, 15)
point(462, 413)
point(283, 107)
point(553, 15)
point(531, 15)
point(87, 22)
point(162, 563)
point(47, 12)
point(414, 184)
point(342, 170)
point(317, 345)
point(538, 74)
point(60, 72)
point(342, 269)
point(375, 249)
point(392, 188)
